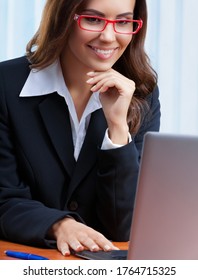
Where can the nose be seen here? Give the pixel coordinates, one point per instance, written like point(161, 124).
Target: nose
point(108, 34)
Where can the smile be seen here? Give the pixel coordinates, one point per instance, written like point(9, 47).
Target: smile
point(105, 52)
point(102, 53)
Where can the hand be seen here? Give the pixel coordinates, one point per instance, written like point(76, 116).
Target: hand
point(116, 92)
point(71, 234)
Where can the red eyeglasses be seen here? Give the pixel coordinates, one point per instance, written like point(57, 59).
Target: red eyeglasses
point(98, 24)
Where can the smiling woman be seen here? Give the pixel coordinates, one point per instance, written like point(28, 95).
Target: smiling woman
point(73, 114)
point(168, 33)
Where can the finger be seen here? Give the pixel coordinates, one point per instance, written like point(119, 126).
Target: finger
point(101, 89)
point(105, 244)
point(95, 77)
point(64, 249)
point(91, 74)
point(99, 77)
point(76, 245)
point(119, 80)
point(90, 244)
point(104, 84)
point(103, 74)
point(109, 247)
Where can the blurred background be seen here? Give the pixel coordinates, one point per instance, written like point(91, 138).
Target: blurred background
point(172, 45)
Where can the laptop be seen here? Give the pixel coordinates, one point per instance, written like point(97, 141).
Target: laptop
point(165, 218)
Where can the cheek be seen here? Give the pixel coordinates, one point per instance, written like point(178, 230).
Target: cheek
point(124, 43)
point(80, 37)
point(74, 38)
point(126, 40)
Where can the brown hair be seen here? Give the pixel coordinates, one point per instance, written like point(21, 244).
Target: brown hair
point(55, 27)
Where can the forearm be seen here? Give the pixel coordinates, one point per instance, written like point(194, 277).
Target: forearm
point(28, 221)
point(117, 178)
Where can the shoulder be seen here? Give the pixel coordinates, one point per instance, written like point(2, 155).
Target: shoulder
point(14, 72)
point(14, 62)
point(153, 102)
point(152, 113)
point(13, 65)
point(153, 97)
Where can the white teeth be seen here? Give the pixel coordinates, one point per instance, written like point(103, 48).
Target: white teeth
point(105, 52)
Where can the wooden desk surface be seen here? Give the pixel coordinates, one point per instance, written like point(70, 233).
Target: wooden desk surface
point(52, 254)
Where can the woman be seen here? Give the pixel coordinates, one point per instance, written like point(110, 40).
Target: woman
point(73, 113)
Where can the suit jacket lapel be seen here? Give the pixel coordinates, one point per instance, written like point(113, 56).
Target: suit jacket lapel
point(55, 116)
point(88, 154)
point(56, 119)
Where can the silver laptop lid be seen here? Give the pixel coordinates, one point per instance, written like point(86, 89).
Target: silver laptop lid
point(165, 220)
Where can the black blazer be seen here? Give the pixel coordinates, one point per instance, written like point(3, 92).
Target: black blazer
point(40, 181)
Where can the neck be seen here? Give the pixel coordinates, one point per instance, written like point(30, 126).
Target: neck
point(75, 77)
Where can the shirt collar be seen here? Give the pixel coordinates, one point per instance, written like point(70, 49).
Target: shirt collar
point(44, 81)
point(49, 80)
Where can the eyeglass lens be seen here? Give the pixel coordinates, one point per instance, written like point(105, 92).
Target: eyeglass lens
point(97, 24)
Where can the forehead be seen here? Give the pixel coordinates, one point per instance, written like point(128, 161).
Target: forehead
point(111, 7)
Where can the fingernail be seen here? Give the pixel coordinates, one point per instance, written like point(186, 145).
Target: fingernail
point(103, 89)
point(93, 88)
point(79, 248)
point(65, 252)
point(107, 248)
point(116, 248)
point(91, 73)
point(90, 81)
point(94, 248)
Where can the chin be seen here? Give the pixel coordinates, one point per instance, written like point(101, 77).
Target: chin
point(104, 67)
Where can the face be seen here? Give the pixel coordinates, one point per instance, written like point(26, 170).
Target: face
point(98, 51)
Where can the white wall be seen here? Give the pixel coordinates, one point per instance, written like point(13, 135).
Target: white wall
point(19, 20)
point(172, 43)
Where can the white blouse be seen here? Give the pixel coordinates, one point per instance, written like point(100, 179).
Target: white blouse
point(50, 80)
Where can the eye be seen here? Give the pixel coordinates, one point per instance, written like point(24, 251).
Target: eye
point(92, 20)
point(123, 22)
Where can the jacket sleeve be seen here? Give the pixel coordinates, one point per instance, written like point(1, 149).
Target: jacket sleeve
point(117, 177)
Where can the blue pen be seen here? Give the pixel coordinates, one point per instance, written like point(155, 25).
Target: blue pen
point(24, 256)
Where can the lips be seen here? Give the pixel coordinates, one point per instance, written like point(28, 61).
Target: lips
point(103, 53)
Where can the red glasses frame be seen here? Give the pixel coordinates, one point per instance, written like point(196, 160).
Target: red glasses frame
point(107, 21)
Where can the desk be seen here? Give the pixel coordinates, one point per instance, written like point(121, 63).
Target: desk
point(52, 254)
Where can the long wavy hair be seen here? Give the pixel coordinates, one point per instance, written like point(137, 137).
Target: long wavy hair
point(55, 27)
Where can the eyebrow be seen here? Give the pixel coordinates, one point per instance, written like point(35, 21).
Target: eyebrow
point(103, 15)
